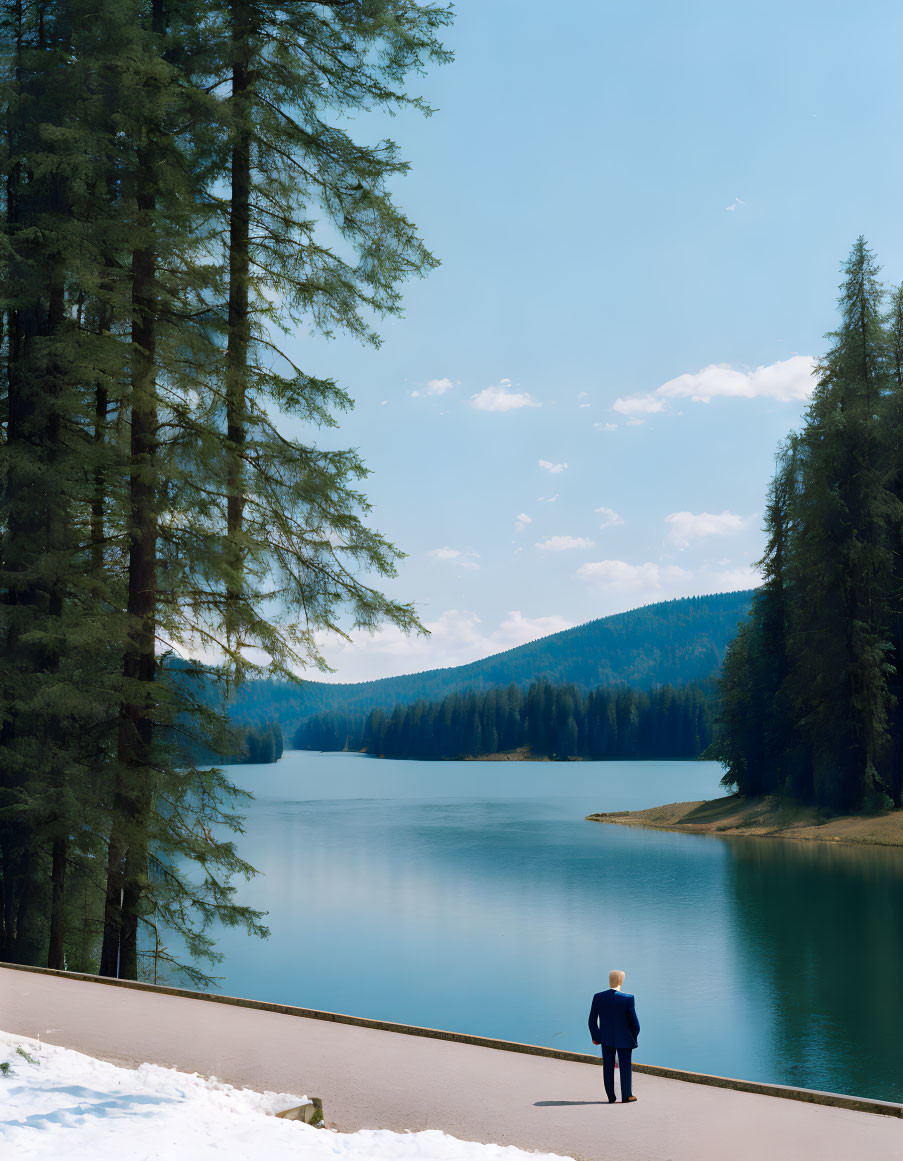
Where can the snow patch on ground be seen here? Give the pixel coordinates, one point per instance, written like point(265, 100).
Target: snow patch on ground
point(65, 1106)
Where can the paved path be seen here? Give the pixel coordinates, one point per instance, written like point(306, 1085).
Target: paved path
point(375, 1079)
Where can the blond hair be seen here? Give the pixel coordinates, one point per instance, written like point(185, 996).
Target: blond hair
point(615, 979)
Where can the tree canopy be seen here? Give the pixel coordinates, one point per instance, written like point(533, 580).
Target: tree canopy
point(181, 189)
point(810, 694)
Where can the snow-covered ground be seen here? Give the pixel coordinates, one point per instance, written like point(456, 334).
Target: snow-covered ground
point(59, 1105)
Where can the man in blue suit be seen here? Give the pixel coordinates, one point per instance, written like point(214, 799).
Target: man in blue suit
point(613, 1024)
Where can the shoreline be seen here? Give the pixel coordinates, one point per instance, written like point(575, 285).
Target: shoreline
point(766, 817)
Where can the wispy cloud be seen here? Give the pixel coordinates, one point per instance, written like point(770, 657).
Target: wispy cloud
point(434, 387)
point(786, 381)
point(684, 527)
point(638, 405)
point(605, 426)
point(502, 398)
point(563, 543)
point(457, 636)
point(609, 517)
point(463, 559)
point(521, 521)
point(636, 578)
point(554, 469)
point(735, 205)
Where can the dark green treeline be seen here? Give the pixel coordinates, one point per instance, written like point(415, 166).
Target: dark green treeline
point(179, 189)
point(261, 744)
point(812, 687)
point(554, 721)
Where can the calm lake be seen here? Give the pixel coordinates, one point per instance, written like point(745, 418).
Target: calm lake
point(473, 896)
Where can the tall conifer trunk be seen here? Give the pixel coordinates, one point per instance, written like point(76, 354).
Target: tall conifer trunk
point(55, 953)
point(127, 854)
point(238, 318)
point(55, 531)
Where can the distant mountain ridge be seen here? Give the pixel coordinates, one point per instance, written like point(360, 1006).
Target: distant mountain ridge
point(670, 643)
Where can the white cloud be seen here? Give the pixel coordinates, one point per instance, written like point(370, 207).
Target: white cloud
point(563, 543)
point(638, 405)
point(464, 559)
point(554, 469)
point(731, 579)
point(735, 204)
point(521, 521)
point(384, 402)
point(605, 426)
point(500, 398)
point(547, 499)
point(641, 578)
point(786, 381)
point(789, 380)
point(609, 517)
point(683, 527)
point(457, 637)
point(618, 585)
point(438, 386)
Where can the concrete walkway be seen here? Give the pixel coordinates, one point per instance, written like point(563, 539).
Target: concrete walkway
point(375, 1079)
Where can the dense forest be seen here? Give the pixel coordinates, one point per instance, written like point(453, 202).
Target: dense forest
point(181, 187)
point(260, 745)
point(812, 690)
point(670, 643)
point(250, 746)
point(553, 721)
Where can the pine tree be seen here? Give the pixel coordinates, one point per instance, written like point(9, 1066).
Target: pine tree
point(150, 497)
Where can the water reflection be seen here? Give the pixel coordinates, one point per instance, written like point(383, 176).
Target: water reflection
point(820, 930)
point(479, 900)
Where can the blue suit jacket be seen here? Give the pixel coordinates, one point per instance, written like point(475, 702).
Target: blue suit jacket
point(612, 1019)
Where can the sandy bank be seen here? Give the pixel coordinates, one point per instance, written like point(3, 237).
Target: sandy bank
point(768, 817)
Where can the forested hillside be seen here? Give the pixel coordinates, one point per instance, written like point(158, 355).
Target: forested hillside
point(671, 643)
point(550, 721)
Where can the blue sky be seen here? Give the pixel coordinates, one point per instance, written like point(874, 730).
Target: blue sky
point(641, 210)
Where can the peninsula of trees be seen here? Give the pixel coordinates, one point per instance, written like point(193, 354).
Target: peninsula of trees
point(812, 690)
point(548, 721)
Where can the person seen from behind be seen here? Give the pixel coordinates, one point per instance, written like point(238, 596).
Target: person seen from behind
point(613, 1023)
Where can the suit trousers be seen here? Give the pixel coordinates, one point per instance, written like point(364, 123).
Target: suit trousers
point(608, 1071)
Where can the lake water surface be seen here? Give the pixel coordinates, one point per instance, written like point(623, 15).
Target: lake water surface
point(473, 896)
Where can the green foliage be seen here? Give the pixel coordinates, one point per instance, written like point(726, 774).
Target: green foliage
point(152, 502)
point(810, 695)
point(552, 721)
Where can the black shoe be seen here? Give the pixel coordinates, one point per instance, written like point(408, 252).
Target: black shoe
point(628, 1100)
point(612, 1100)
